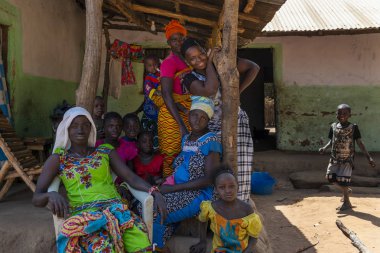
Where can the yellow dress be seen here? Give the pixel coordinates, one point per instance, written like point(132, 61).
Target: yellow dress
point(230, 235)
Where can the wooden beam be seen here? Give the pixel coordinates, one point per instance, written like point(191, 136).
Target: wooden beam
point(229, 76)
point(214, 9)
point(165, 13)
point(106, 83)
point(125, 9)
point(86, 92)
point(123, 27)
point(249, 6)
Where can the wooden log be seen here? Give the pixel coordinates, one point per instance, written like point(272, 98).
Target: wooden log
point(6, 187)
point(106, 83)
point(352, 236)
point(85, 94)
point(4, 170)
point(229, 76)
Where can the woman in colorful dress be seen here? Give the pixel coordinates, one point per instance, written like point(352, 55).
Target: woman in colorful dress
point(203, 81)
point(172, 122)
point(96, 219)
point(194, 167)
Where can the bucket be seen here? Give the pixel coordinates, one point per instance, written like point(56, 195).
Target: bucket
point(262, 183)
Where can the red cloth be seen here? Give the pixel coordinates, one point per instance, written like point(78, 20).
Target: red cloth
point(154, 168)
point(127, 150)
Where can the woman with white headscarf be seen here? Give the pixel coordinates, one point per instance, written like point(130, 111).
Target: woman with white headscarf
point(97, 220)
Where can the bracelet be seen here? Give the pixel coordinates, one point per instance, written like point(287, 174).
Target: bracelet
point(153, 189)
point(124, 186)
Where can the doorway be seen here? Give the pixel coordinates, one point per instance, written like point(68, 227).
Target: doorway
point(259, 99)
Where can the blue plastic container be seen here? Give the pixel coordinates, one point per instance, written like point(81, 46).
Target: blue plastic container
point(262, 183)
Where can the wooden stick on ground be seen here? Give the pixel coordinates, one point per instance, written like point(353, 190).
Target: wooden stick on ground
point(353, 237)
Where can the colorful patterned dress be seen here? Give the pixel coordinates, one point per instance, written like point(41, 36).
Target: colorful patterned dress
point(169, 134)
point(230, 236)
point(99, 222)
point(189, 165)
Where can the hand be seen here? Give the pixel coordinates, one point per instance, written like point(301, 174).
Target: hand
point(211, 53)
point(322, 151)
point(58, 204)
point(160, 205)
point(166, 189)
point(372, 162)
point(200, 247)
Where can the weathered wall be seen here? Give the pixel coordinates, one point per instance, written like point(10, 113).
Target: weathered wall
point(315, 74)
point(131, 95)
point(45, 51)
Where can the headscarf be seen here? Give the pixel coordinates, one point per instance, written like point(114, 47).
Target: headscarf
point(62, 137)
point(188, 43)
point(204, 104)
point(174, 27)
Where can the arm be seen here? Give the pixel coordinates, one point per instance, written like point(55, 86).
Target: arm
point(140, 108)
point(249, 69)
point(167, 89)
point(201, 246)
point(364, 150)
point(41, 198)
point(323, 149)
point(211, 85)
point(212, 160)
point(251, 245)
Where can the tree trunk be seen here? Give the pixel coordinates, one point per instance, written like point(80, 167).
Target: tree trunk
point(86, 92)
point(229, 76)
point(106, 84)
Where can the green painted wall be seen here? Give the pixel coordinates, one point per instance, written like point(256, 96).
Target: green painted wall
point(32, 98)
point(306, 112)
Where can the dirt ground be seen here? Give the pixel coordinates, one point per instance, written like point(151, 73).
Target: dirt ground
point(295, 219)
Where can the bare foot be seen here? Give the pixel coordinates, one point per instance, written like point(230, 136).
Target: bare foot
point(345, 206)
point(349, 190)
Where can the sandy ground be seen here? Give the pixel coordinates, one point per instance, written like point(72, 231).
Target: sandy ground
point(294, 219)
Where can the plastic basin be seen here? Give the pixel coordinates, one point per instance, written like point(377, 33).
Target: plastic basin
point(262, 183)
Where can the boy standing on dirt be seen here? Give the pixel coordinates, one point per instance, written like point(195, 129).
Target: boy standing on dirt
point(343, 135)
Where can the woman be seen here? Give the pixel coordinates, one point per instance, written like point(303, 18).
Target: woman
point(194, 169)
point(96, 221)
point(203, 81)
point(172, 117)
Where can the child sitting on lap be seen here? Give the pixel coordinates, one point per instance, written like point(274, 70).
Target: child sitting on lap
point(147, 164)
point(234, 223)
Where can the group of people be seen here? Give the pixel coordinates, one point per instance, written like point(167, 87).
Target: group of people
point(174, 154)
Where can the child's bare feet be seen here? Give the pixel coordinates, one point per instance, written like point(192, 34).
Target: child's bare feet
point(344, 206)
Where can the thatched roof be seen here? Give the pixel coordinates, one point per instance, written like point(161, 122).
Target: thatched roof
point(199, 16)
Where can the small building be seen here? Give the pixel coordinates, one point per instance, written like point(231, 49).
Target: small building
point(324, 53)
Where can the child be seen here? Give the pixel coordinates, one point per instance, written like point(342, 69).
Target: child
point(152, 96)
point(343, 135)
point(97, 115)
point(235, 225)
point(147, 164)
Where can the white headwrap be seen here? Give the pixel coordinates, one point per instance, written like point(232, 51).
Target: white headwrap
point(62, 137)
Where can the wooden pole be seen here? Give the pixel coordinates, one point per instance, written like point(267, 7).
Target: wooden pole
point(106, 83)
point(86, 92)
point(229, 76)
point(353, 237)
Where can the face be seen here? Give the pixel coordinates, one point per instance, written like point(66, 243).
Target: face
point(79, 130)
point(196, 57)
point(343, 115)
point(150, 66)
point(98, 108)
point(226, 187)
point(175, 42)
point(198, 120)
point(131, 128)
point(146, 143)
point(112, 128)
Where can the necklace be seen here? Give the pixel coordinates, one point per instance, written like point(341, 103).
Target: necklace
point(79, 155)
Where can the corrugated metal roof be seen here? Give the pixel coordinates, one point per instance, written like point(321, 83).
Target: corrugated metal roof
point(325, 15)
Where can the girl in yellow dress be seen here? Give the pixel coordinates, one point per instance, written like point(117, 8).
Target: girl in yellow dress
point(235, 225)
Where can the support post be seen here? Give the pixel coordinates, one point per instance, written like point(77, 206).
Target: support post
point(86, 92)
point(106, 83)
point(229, 76)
